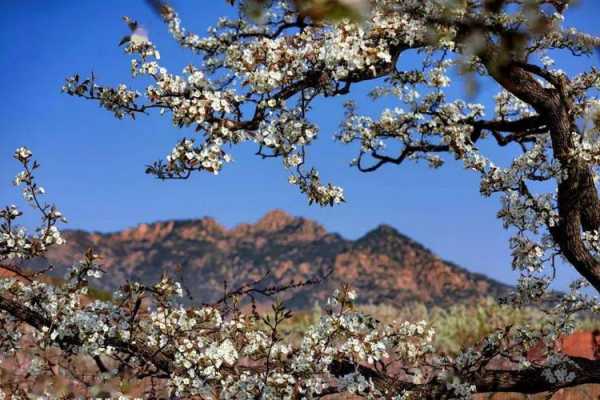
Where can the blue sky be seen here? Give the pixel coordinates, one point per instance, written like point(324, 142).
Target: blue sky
point(93, 164)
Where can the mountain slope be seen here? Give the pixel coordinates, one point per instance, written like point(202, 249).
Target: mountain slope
point(384, 265)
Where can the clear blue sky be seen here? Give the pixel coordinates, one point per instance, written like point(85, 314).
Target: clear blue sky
point(93, 164)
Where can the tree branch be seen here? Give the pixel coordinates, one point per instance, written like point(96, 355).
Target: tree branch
point(135, 347)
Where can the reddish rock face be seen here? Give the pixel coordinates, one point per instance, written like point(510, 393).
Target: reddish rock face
point(581, 344)
point(578, 344)
point(384, 265)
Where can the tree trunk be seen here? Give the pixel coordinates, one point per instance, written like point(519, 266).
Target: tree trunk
point(578, 203)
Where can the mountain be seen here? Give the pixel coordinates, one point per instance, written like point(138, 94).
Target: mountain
point(383, 265)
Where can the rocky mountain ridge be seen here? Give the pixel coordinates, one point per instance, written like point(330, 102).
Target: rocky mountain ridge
point(383, 265)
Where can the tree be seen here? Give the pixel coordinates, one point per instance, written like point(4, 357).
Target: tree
point(256, 83)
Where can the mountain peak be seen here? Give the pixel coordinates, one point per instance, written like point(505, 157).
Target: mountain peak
point(274, 220)
point(384, 232)
point(385, 229)
point(149, 232)
point(387, 239)
point(212, 225)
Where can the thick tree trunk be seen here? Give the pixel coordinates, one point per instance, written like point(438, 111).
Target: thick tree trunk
point(578, 203)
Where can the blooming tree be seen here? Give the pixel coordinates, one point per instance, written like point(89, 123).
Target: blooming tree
point(256, 82)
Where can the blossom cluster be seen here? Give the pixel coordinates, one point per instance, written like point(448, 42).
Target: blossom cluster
point(15, 242)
